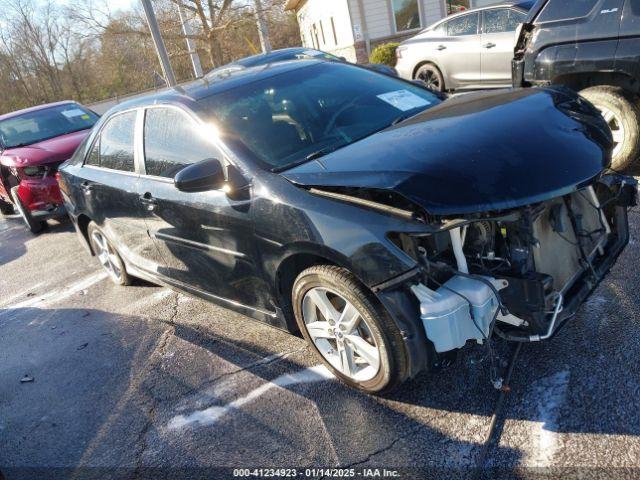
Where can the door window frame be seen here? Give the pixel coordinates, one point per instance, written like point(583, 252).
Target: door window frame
point(197, 122)
point(97, 136)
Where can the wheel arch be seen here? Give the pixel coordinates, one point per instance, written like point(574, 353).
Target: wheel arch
point(82, 223)
point(581, 80)
point(295, 261)
point(400, 305)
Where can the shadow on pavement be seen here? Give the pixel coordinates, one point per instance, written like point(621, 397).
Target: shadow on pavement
point(104, 388)
point(15, 236)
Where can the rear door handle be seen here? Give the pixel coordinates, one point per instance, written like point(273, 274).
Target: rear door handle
point(489, 45)
point(441, 47)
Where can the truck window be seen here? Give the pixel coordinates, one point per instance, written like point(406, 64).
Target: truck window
point(562, 10)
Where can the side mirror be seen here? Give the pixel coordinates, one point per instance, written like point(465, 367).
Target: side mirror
point(200, 177)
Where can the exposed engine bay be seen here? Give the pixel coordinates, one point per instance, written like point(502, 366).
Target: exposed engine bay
point(518, 274)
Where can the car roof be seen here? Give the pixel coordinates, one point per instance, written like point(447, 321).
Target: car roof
point(207, 86)
point(261, 59)
point(274, 54)
point(17, 113)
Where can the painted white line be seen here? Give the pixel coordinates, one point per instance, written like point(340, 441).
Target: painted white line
point(22, 294)
point(211, 415)
point(549, 394)
point(59, 294)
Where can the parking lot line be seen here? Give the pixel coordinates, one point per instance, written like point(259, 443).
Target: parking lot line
point(211, 415)
point(58, 294)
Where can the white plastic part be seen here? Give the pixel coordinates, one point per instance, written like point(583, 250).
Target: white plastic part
point(446, 313)
point(607, 227)
point(456, 243)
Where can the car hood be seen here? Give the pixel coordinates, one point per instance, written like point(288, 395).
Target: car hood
point(476, 153)
point(53, 150)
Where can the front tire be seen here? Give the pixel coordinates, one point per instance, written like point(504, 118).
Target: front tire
point(34, 226)
point(620, 109)
point(107, 255)
point(6, 208)
point(349, 329)
point(431, 77)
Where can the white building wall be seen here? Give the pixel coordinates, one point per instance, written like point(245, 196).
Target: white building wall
point(373, 23)
point(433, 10)
point(314, 18)
point(379, 20)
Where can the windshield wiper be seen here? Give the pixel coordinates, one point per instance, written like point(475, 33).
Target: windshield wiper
point(321, 153)
point(402, 118)
point(19, 145)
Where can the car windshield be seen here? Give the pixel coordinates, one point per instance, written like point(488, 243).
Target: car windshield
point(300, 115)
point(39, 125)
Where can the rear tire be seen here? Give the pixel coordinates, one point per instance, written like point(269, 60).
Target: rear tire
point(431, 77)
point(349, 329)
point(620, 109)
point(108, 256)
point(34, 226)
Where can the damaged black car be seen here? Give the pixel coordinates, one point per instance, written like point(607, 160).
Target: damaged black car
point(387, 226)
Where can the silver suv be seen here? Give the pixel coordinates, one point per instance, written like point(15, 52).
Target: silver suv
point(472, 49)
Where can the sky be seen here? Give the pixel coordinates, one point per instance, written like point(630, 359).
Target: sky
point(121, 4)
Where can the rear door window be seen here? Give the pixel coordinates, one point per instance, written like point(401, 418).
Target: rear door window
point(563, 10)
point(114, 147)
point(173, 140)
point(502, 20)
point(464, 25)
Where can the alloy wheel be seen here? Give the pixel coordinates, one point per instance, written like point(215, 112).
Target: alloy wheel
point(341, 334)
point(616, 126)
point(107, 256)
point(430, 79)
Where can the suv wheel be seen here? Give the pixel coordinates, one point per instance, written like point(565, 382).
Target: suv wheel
point(34, 226)
point(349, 330)
point(108, 256)
point(620, 109)
point(430, 75)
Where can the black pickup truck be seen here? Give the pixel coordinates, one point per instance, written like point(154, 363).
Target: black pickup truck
point(593, 47)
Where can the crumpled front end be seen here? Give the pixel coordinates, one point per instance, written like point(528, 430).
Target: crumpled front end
point(519, 274)
point(38, 189)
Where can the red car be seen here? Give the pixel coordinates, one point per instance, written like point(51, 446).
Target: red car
point(33, 143)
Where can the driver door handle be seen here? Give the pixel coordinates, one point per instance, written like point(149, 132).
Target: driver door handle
point(441, 47)
point(489, 45)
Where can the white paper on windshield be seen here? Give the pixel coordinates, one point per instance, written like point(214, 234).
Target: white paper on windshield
point(75, 112)
point(404, 100)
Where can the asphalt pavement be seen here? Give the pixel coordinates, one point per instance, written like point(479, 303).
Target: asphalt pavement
point(100, 381)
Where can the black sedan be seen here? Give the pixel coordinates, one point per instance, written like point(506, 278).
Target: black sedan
point(388, 226)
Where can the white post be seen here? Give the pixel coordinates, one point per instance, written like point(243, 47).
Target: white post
point(161, 50)
point(191, 45)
